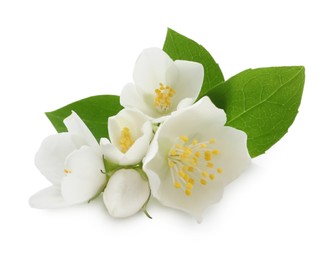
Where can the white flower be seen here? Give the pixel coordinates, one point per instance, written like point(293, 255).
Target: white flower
point(130, 133)
point(72, 162)
point(193, 156)
point(126, 193)
point(162, 85)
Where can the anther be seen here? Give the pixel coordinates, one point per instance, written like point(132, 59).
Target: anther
point(162, 98)
point(203, 181)
point(211, 176)
point(207, 155)
point(212, 141)
point(210, 165)
point(184, 138)
point(177, 185)
point(191, 161)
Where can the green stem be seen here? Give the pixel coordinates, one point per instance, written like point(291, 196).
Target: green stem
point(144, 207)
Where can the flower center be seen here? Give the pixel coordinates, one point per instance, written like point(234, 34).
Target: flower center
point(162, 99)
point(126, 140)
point(66, 171)
point(191, 162)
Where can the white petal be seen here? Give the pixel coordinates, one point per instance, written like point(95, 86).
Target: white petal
point(154, 164)
point(49, 198)
point(129, 118)
point(155, 67)
point(126, 193)
point(151, 69)
point(143, 102)
point(158, 172)
point(182, 123)
point(139, 149)
point(186, 102)
point(110, 151)
point(75, 125)
point(141, 133)
point(52, 153)
point(234, 157)
point(195, 204)
point(206, 123)
point(189, 81)
point(84, 178)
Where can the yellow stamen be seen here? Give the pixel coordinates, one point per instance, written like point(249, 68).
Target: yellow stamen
point(191, 181)
point(188, 192)
point(207, 155)
point(177, 185)
point(219, 170)
point(192, 163)
point(194, 160)
point(210, 165)
point(212, 141)
point(184, 138)
point(173, 153)
point(212, 176)
point(203, 181)
point(189, 186)
point(171, 163)
point(203, 145)
point(126, 140)
point(162, 99)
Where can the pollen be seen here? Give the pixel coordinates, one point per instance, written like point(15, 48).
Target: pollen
point(193, 162)
point(162, 98)
point(203, 181)
point(177, 185)
point(212, 141)
point(184, 138)
point(210, 165)
point(189, 186)
point(195, 141)
point(207, 155)
point(188, 192)
point(203, 145)
point(126, 140)
point(66, 171)
point(173, 152)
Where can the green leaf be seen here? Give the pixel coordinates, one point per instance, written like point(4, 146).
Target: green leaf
point(179, 47)
point(94, 111)
point(261, 102)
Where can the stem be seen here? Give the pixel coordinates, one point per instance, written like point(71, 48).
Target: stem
point(144, 207)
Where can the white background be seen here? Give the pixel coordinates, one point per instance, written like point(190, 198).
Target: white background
point(56, 52)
